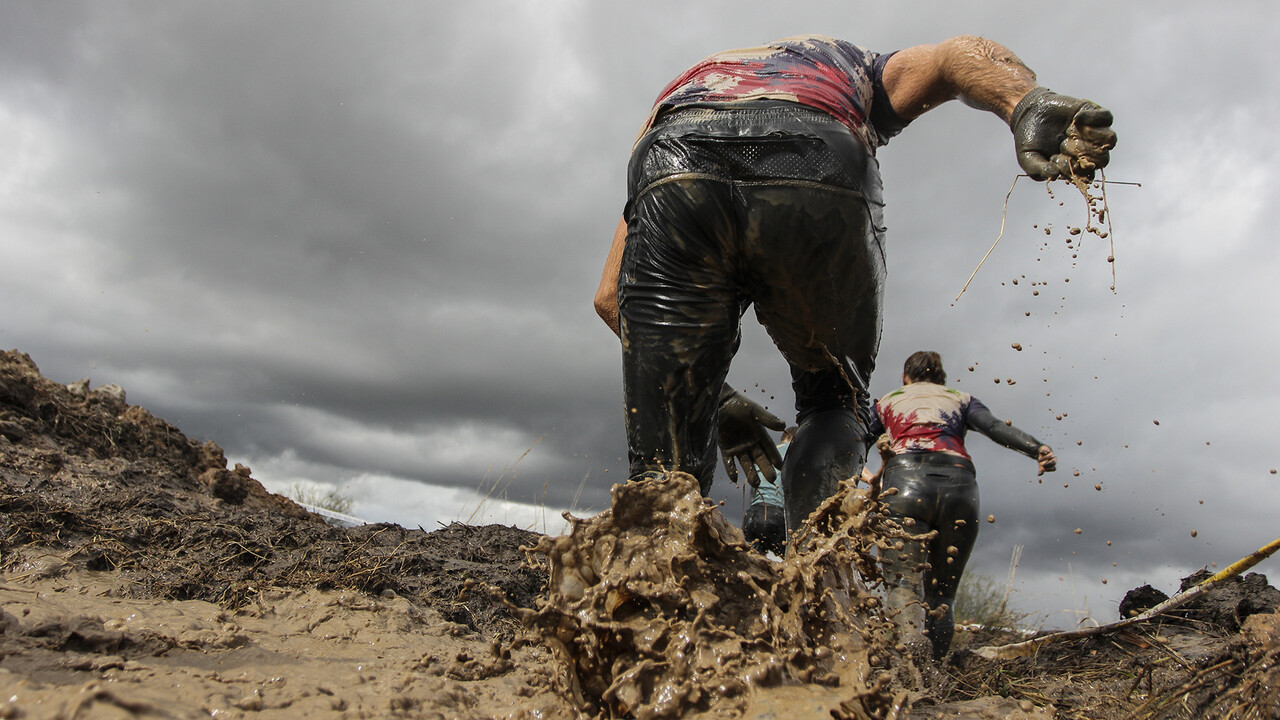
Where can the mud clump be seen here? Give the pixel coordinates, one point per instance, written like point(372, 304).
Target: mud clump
point(658, 608)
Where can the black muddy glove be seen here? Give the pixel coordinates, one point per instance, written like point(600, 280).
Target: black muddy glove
point(1058, 136)
point(742, 437)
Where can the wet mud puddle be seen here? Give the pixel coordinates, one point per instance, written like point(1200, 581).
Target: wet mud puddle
point(657, 608)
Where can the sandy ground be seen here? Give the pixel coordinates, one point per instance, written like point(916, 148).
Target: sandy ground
point(142, 577)
point(74, 648)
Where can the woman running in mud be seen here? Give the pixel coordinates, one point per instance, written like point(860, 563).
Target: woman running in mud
point(930, 480)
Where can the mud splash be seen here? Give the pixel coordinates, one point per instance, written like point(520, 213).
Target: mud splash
point(658, 608)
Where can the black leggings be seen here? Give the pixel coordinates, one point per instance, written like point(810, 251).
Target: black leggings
point(715, 224)
point(765, 529)
point(939, 491)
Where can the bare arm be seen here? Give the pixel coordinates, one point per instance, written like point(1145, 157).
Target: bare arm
point(982, 73)
point(1054, 135)
point(606, 301)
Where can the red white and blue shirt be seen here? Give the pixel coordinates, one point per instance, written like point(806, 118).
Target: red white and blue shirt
point(926, 417)
point(833, 76)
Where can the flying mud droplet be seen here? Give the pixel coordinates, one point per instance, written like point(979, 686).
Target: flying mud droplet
point(1017, 346)
point(991, 518)
point(1079, 531)
point(1156, 422)
point(1098, 487)
point(1194, 533)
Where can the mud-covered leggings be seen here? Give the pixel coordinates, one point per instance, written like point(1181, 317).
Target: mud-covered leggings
point(729, 209)
point(939, 491)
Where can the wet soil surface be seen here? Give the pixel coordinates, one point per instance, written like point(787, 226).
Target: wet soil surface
point(142, 577)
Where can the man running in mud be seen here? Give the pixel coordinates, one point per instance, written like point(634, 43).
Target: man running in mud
point(754, 181)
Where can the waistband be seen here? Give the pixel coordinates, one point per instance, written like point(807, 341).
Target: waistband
point(767, 120)
point(757, 118)
point(930, 459)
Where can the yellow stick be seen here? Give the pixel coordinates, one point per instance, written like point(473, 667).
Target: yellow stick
point(1023, 649)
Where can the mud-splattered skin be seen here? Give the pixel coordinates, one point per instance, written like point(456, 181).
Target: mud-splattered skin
point(658, 608)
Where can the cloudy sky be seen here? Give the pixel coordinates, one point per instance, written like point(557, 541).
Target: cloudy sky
point(356, 245)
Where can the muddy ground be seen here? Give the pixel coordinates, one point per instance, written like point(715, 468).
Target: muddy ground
point(142, 577)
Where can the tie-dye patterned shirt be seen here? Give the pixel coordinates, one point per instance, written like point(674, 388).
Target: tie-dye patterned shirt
point(836, 77)
point(925, 417)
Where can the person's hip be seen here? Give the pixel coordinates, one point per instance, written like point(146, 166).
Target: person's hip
point(769, 141)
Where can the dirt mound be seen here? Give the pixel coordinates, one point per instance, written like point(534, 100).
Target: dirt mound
point(142, 577)
point(105, 486)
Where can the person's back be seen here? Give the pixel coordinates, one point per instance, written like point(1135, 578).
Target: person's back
point(925, 417)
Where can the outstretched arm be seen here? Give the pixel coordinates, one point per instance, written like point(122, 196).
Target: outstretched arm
point(1003, 432)
point(982, 73)
point(1054, 135)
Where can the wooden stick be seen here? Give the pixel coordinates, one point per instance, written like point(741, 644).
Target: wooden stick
point(1025, 648)
point(1003, 217)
